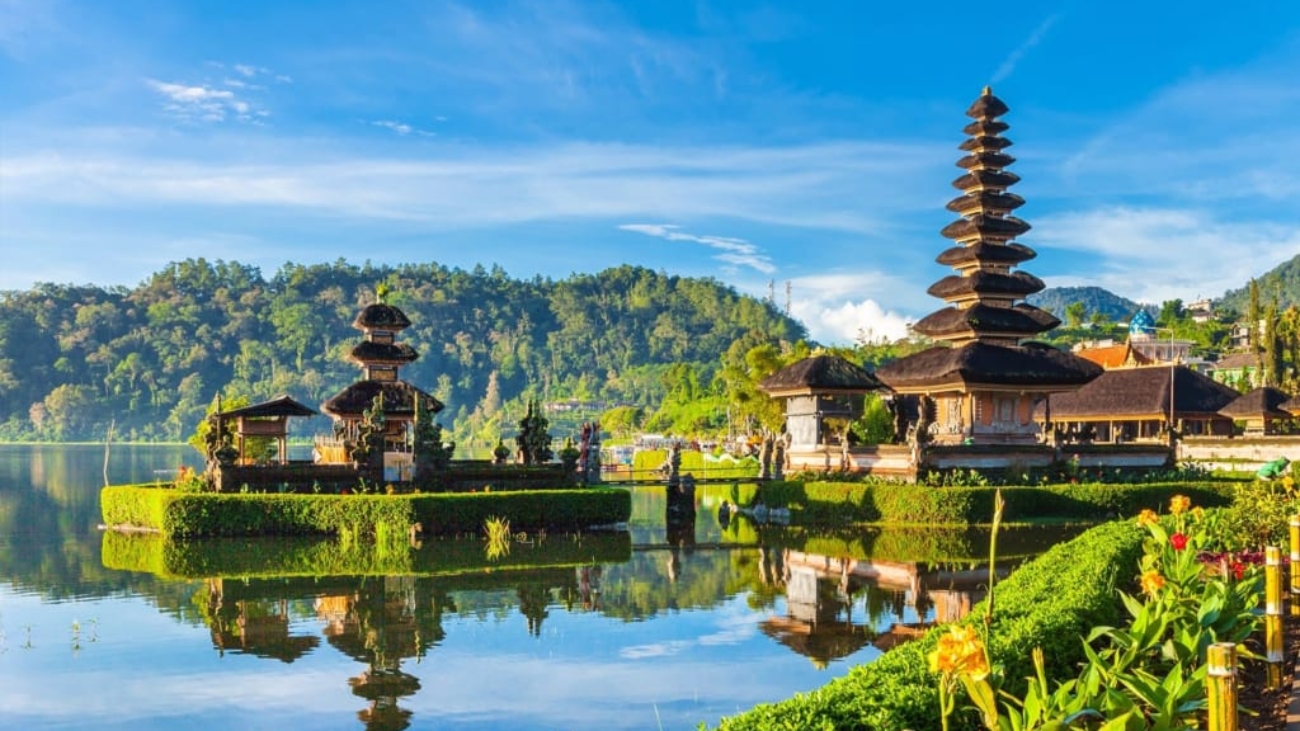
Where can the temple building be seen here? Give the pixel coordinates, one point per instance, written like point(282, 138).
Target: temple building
point(381, 358)
point(822, 394)
point(1126, 405)
point(981, 384)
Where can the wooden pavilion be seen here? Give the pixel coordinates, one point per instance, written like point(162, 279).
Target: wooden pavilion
point(266, 420)
point(982, 383)
point(816, 390)
point(1261, 410)
point(1133, 405)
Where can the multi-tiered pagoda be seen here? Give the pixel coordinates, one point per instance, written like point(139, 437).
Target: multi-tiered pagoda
point(381, 358)
point(985, 379)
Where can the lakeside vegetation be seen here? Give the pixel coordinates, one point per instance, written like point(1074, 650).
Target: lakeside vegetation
point(149, 359)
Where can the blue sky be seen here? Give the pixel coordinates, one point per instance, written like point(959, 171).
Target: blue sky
point(756, 143)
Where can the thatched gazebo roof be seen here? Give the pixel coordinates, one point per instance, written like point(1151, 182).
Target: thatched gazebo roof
point(276, 407)
point(820, 374)
point(1143, 393)
point(1264, 401)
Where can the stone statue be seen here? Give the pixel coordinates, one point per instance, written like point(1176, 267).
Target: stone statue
point(765, 458)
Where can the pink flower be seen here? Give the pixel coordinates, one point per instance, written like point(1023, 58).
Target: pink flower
point(1178, 541)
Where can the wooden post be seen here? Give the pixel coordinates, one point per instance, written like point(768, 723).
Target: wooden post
point(1273, 615)
point(1221, 686)
point(1295, 565)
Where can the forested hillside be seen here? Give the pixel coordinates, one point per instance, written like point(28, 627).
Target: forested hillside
point(1095, 300)
point(1279, 286)
point(150, 359)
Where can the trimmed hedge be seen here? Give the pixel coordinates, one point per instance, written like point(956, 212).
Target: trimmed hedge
point(258, 557)
point(850, 502)
point(189, 514)
point(1051, 602)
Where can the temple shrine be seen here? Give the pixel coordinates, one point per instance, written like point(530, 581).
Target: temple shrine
point(981, 382)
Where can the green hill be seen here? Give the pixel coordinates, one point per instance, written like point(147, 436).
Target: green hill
point(1281, 283)
point(150, 358)
point(1095, 299)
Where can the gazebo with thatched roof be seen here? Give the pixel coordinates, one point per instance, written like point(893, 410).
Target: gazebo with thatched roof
point(1261, 409)
point(816, 390)
point(266, 420)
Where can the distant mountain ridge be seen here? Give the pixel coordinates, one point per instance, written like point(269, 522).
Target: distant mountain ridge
point(1281, 283)
point(1095, 299)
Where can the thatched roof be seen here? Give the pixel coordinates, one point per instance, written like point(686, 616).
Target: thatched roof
point(380, 316)
point(1017, 284)
point(820, 374)
point(986, 227)
point(986, 159)
point(1291, 406)
point(1031, 365)
point(987, 179)
point(399, 399)
point(985, 200)
point(1237, 360)
point(279, 406)
point(987, 106)
point(1143, 392)
point(368, 351)
point(985, 142)
point(1021, 318)
point(1264, 401)
point(986, 251)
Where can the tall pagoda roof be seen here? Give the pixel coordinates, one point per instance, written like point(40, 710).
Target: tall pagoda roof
point(986, 293)
point(820, 374)
point(381, 316)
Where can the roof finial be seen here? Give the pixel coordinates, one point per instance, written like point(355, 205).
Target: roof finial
point(988, 91)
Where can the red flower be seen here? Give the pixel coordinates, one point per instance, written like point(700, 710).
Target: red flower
point(1238, 570)
point(1178, 541)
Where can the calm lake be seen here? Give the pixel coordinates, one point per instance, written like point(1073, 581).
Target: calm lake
point(647, 628)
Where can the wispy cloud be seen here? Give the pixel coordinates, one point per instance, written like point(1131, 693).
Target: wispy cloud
point(1156, 254)
point(1008, 65)
point(401, 128)
point(736, 251)
point(201, 103)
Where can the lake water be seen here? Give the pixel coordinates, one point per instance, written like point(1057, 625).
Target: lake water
point(648, 628)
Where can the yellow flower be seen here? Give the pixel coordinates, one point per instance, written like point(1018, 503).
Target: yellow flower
point(1148, 517)
point(1152, 582)
point(960, 651)
point(1198, 513)
point(1179, 504)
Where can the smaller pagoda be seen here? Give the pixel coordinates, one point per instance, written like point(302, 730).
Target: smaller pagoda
point(380, 388)
point(980, 384)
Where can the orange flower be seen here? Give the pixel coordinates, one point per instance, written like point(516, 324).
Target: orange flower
point(960, 651)
point(1152, 582)
point(1148, 517)
point(1178, 504)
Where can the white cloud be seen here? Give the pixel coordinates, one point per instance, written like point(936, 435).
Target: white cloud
point(201, 102)
point(401, 128)
point(1156, 254)
point(850, 322)
point(738, 252)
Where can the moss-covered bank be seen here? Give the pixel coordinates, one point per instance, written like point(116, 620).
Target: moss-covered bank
point(190, 514)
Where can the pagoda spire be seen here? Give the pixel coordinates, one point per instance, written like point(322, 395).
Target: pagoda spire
point(985, 293)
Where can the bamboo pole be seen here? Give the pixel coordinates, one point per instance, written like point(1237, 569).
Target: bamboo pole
point(1295, 565)
point(1221, 686)
point(1273, 615)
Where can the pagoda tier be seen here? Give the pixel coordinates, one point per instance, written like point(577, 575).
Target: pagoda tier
point(381, 359)
point(984, 294)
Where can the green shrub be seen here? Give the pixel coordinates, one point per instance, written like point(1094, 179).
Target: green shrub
point(224, 514)
point(1050, 602)
point(832, 503)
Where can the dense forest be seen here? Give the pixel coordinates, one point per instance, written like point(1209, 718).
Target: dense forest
point(150, 359)
point(1279, 286)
